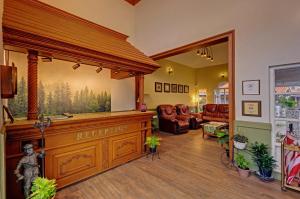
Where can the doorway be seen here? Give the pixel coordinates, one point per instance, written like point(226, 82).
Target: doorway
point(224, 37)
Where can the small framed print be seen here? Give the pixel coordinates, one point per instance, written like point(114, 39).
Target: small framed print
point(180, 88)
point(174, 88)
point(251, 108)
point(251, 87)
point(158, 87)
point(166, 87)
point(186, 89)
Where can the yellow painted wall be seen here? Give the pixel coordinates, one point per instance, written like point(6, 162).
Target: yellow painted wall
point(182, 75)
point(209, 77)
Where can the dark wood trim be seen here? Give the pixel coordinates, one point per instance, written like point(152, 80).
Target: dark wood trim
point(230, 38)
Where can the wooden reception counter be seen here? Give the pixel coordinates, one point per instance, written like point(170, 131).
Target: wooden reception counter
point(79, 147)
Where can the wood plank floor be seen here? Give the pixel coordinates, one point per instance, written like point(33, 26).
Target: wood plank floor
point(189, 168)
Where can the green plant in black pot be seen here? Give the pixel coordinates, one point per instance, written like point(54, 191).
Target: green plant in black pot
point(264, 161)
point(240, 141)
point(42, 188)
point(152, 142)
point(289, 101)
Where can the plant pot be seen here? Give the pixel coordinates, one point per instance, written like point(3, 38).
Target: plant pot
point(265, 173)
point(153, 150)
point(239, 145)
point(244, 173)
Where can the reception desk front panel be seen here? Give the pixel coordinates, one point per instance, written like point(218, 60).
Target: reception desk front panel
point(80, 147)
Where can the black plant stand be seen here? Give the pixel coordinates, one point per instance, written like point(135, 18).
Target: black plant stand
point(153, 153)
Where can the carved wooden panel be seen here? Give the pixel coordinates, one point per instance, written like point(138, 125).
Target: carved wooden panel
point(69, 164)
point(124, 148)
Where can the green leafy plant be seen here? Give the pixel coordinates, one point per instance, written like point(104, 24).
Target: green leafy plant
point(240, 138)
point(262, 158)
point(241, 162)
point(289, 101)
point(153, 141)
point(42, 188)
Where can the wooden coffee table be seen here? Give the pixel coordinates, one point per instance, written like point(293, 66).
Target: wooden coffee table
point(209, 128)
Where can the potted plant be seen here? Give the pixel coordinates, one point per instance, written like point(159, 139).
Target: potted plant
point(240, 141)
point(42, 188)
point(242, 165)
point(223, 140)
point(152, 142)
point(264, 161)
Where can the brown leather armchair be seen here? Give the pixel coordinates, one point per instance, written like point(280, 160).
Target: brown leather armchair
point(216, 112)
point(195, 119)
point(169, 121)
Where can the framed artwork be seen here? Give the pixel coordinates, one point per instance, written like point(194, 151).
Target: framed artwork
point(180, 88)
point(174, 88)
point(251, 108)
point(166, 87)
point(251, 87)
point(186, 89)
point(158, 87)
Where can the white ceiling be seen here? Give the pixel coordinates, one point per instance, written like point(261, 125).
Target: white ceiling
point(191, 59)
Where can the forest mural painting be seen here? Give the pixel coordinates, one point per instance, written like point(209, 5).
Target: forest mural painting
point(60, 100)
point(62, 89)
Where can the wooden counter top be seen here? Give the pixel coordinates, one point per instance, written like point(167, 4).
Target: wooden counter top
point(80, 118)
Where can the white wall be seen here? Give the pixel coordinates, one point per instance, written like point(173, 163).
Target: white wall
point(267, 33)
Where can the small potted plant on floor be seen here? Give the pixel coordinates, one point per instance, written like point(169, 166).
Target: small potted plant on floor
point(242, 165)
point(240, 141)
point(152, 142)
point(265, 162)
point(42, 188)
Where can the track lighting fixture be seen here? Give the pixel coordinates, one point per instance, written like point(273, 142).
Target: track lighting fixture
point(99, 69)
point(76, 66)
point(206, 52)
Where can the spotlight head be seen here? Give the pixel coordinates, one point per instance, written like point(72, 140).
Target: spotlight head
point(76, 66)
point(198, 52)
point(46, 59)
point(99, 69)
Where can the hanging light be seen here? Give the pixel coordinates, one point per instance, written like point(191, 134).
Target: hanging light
point(198, 52)
point(206, 52)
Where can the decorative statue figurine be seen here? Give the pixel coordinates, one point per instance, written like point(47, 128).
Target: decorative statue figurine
point(30, 167)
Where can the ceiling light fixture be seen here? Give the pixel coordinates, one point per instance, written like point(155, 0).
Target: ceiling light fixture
point(76, 66)
point(46, 59)
point(99, 69)
point(206, 52)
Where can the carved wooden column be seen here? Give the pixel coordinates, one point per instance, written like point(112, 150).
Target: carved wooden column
point(32, 85)
point(139, 90)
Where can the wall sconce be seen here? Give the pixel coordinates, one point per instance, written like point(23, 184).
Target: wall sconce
point(223, 75)
point(170, 70)
point(99, 69)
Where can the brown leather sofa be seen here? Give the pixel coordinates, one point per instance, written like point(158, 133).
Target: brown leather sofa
point(216, 112)
point(169, 121)
point(195, 119)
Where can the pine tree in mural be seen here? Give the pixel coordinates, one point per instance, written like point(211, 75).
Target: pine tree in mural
point(18, 105)
point(50, 104)
point(41, 97)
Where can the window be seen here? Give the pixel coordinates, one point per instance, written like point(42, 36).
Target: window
point(221, 93)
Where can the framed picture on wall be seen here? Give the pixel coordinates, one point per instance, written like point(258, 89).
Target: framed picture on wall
point(186, 89)
point(174, 88)
point(158, 87)
point(180, 88)
point(251, 87)
point(166, 87)
point(251, 108)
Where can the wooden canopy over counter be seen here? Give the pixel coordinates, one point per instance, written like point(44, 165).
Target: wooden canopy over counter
point(79, 147)
point(36, 26)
